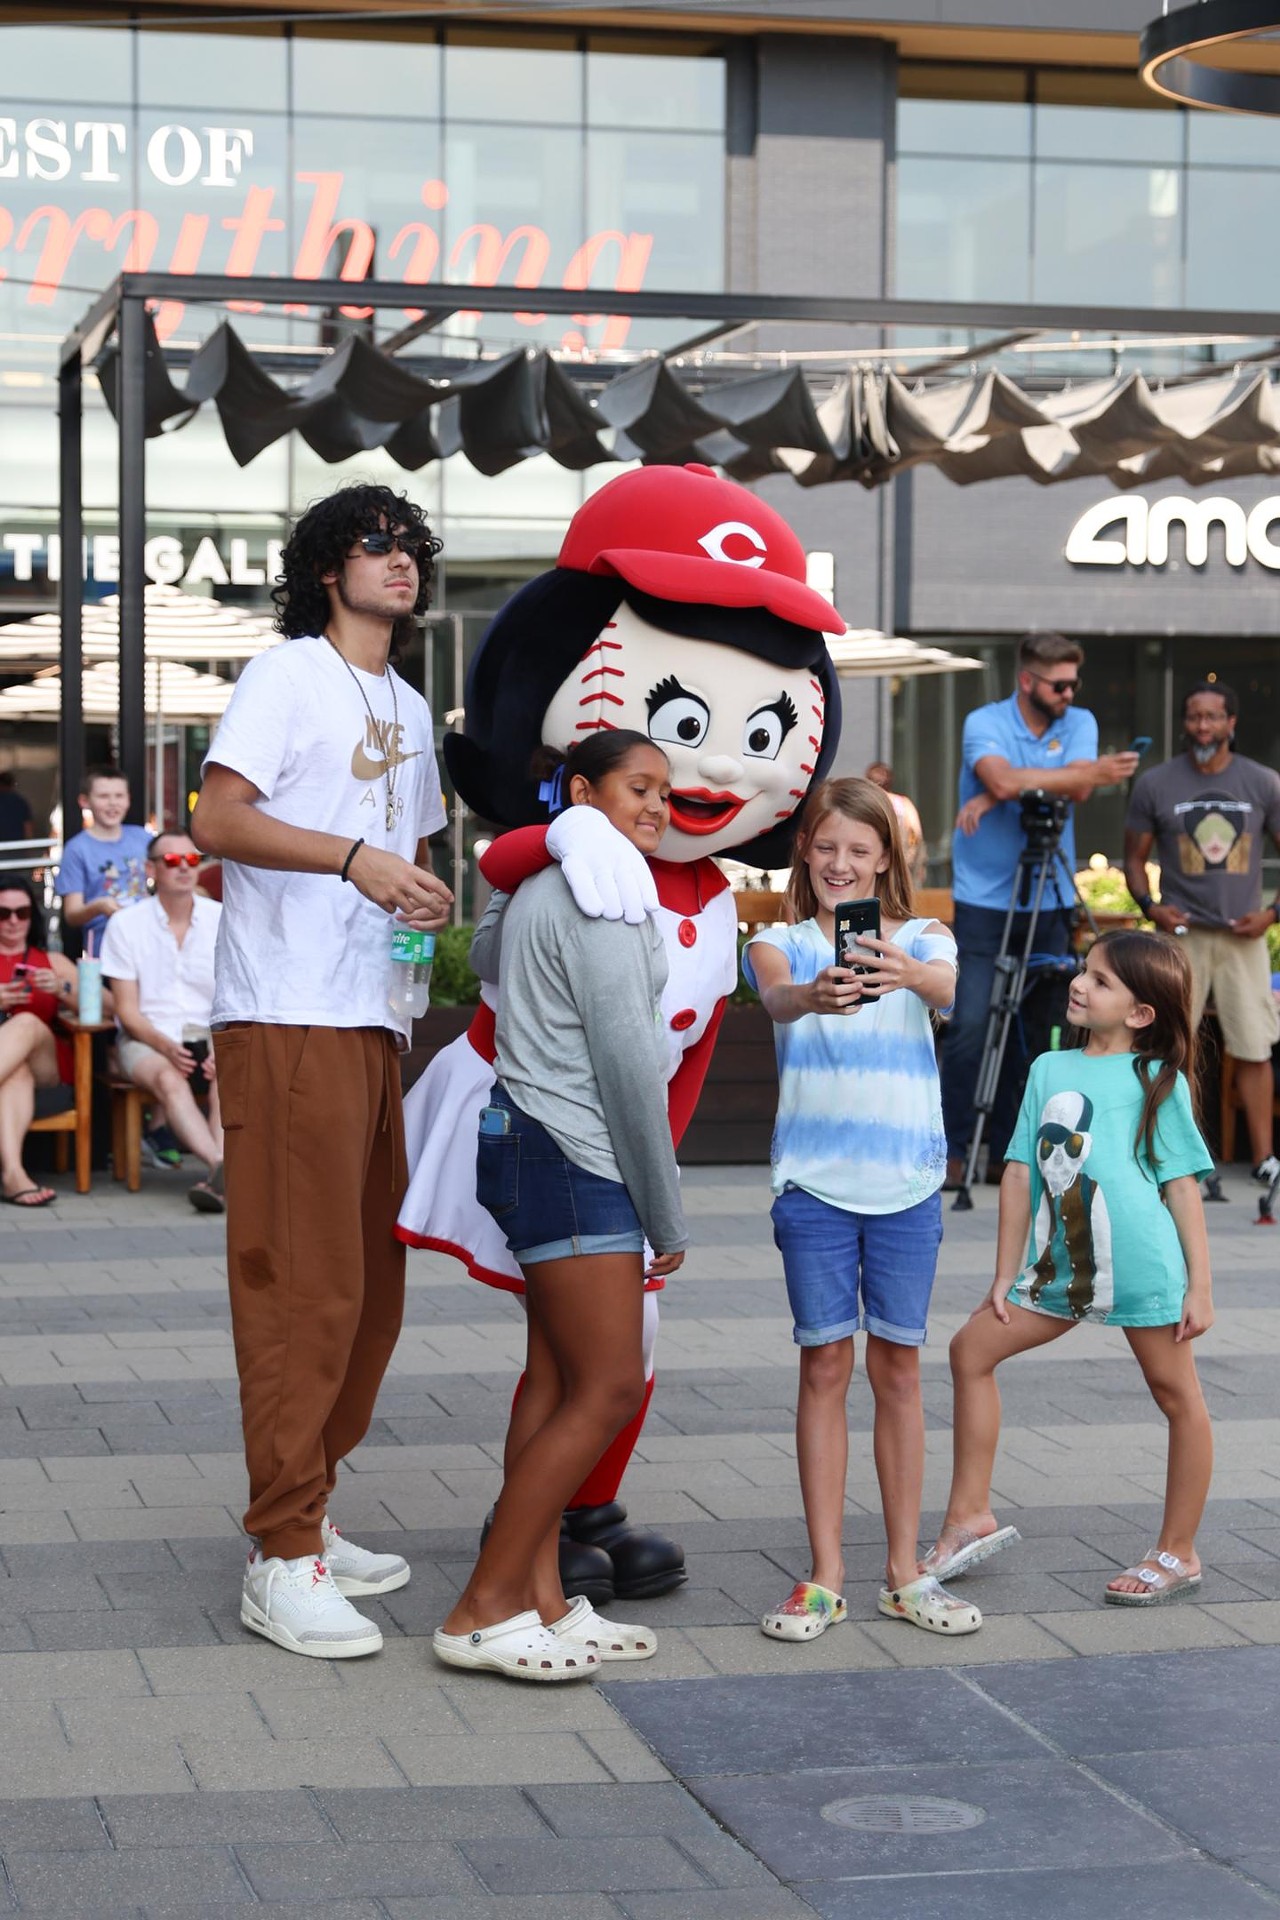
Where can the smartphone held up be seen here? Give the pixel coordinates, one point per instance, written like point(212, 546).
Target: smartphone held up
point(855, 917)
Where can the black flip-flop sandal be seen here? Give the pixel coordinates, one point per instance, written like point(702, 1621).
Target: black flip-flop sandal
point(27, 1204)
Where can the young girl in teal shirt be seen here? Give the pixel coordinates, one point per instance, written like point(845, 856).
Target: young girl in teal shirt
point(1102, 1178)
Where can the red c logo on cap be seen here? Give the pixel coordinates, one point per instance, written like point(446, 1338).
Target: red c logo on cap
point(712, 544)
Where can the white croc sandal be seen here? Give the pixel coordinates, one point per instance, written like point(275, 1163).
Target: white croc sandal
point(521, 1647)
point(969, 1552)
point(1163, 1576)
point(583, 1627)
point(807, 1611)
point(926, 1603)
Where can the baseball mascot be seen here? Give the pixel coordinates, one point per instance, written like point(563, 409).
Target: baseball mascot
point(678, 607)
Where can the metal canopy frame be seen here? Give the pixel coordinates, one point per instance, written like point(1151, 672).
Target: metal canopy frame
point(121, 308)
point(1173, 48)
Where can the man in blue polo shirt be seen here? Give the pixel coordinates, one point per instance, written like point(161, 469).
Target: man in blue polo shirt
point(1036, 739)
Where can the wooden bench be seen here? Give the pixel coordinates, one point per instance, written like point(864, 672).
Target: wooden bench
point(128, 1103)
point(77, 1120)
point(758, 907)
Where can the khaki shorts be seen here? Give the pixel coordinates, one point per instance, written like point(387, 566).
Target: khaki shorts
point(130, 1055)
point(1238, 973)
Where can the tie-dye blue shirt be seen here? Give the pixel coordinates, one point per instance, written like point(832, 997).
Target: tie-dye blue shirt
point(859, 1108)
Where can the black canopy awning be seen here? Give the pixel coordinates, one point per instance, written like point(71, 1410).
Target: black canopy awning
point(866, 423)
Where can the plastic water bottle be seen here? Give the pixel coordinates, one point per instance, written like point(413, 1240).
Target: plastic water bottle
point(411, 957)
point(89, 991)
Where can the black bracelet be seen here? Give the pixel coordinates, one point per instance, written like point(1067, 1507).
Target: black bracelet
point(346, 865)
point(1144, 904)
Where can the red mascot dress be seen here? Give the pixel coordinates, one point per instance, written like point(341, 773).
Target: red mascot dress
point(678, 607)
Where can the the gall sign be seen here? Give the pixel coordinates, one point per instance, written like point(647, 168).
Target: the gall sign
point(41, 244)
point(1139, 531)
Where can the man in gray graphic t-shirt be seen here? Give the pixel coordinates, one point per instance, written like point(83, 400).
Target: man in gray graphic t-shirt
point(1205, 814)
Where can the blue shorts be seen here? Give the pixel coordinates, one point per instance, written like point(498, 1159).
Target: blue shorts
point(548, 1208)
point(857, 1272)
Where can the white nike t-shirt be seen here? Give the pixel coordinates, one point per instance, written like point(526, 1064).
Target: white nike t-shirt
point(307, 949)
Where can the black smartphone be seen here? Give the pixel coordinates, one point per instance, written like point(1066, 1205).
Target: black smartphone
point(852, 918)
point(1139, 745)
point(199, 1051)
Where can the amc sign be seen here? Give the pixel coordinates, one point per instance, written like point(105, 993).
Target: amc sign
point(1142, 528)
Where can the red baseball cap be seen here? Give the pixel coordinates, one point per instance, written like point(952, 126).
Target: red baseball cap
point(684, 533)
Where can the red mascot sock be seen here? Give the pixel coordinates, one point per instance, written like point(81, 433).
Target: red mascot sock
point(602, 1483)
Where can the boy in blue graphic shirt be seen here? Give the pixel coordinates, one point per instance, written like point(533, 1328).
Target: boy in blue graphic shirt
point(104, 867)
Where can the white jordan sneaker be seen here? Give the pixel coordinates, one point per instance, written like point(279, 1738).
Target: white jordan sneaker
point(296, 1604)
point(357, 1571)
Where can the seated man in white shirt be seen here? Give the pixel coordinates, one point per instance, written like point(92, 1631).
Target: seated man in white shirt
point(158, 956)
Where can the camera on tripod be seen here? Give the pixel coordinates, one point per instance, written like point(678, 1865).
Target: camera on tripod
point(1043, 815)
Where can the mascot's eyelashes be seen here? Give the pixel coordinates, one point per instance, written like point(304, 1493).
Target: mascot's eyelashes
point(768, 727)
point(677, 715)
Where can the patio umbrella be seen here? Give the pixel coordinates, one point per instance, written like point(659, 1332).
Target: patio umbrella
point(173, 692)
point(864, 652)
point(178, 626)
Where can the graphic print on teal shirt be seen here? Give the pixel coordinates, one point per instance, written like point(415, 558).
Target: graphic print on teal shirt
point(1103, 1244)
point(1073, 1227)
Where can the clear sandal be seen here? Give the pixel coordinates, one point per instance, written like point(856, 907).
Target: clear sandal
point(926, 1603)
point(1163, 1575)
point(969, 1551)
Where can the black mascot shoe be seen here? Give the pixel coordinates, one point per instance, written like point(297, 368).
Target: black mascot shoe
point(583, 1569)
point(644, 1564)
point(586, 1570)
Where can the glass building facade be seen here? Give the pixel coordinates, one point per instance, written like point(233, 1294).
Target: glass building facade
point(318, 150)
point(352, 147)
point(1078, 188)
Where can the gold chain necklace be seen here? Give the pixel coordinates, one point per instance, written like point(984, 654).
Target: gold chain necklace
point(389, 769)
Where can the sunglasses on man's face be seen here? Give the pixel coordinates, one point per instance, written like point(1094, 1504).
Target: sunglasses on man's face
point(15, 913)
point(414, 544)
point(1058, 686)
point(181, 859)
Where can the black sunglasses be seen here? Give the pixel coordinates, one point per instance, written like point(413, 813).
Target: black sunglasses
point(413, 543)
point(1058, 686)
point(15, 913)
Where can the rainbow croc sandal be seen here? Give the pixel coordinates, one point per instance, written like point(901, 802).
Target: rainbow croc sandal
point(807, 1611)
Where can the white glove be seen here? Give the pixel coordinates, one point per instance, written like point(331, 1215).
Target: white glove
point(608, 877)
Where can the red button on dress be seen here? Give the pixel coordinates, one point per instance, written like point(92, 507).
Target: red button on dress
point(683, 1020)
point(687, 934)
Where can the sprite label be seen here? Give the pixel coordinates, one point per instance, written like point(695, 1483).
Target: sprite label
point(412, 948)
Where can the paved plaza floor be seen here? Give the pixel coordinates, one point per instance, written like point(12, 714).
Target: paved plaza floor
point(1070, 1760)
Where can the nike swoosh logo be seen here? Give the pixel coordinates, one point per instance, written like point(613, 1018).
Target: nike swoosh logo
point(366, 769)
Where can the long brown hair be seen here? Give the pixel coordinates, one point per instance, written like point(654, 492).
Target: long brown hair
point(867, 804)
point(1156, 971)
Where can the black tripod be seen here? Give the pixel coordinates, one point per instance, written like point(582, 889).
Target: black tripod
point(1041, 855)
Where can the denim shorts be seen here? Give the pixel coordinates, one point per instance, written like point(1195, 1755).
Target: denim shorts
point(857, 1272)
point(548, 1208)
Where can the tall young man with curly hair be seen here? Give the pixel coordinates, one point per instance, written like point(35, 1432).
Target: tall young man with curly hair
point(320, 790)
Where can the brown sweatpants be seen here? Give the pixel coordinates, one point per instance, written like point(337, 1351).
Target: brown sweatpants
point(315, 1174)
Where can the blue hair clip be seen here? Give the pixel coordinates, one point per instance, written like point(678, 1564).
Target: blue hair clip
point(551, 792)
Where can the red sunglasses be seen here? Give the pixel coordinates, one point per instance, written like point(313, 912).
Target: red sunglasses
point(182, 859)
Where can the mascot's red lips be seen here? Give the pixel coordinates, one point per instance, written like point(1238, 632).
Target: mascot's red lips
point(698, 810)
